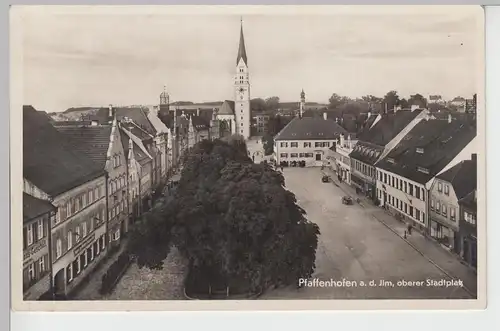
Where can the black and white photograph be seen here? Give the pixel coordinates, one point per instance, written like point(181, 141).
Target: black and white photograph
point(206, 155)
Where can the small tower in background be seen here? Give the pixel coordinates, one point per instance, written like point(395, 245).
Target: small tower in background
point(164, 101)
point(302, 103)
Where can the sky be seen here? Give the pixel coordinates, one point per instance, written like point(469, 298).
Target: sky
point(100, 57)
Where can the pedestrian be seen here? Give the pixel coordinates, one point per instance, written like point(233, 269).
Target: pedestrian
point(409, 229)
point(404, 236)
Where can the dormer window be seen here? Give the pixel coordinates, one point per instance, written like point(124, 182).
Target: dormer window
point(390, 160)
point(420, 150)
point(423, 170)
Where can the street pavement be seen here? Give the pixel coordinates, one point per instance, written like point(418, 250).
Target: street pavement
point(355, 246)
point(256, 150)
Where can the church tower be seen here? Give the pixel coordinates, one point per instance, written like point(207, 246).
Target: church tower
point(164, 102)
point(242, 90)
point(302, 103)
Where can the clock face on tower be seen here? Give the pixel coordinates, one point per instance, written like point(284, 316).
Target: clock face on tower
point(241, 90)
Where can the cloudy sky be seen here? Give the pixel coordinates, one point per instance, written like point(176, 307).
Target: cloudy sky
point(100, 57)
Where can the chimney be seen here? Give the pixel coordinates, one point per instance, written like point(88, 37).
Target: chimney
point(449, 118)
point(369, 114)
point(341, 140)
point(156, 110)
point(198, 112)
point(110, 114)
point(474, 157)
point(325, 116)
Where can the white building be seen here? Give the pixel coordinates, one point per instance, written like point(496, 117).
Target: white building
point(306, 139)
point(342, 164)
point(407, 173)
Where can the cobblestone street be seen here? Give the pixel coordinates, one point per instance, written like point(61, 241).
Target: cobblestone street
point(354, 245)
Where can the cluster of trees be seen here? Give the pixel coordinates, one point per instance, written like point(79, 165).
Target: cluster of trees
point(271, 103)
point(390, 100)
point(233, 220)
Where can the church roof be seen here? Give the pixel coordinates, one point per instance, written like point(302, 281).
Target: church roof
point(227, 108)
point(242, 53)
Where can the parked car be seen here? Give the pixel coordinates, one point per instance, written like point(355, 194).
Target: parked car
point(346, 200)
point(325, 179)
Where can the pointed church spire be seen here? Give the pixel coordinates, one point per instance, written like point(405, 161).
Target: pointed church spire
point(242, 53)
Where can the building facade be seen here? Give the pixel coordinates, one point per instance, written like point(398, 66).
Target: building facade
point(37, 279)
point(468, 229)
point(306, 139)
point(342, 161)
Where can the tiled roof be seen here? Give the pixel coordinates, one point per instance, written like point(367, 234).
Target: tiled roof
point(227, 108)
point(462, 176)
point(138, 115)
point(366, 152)
point(470, 200)
point(93, 141)
point(429, 146)
point(34, 207)
point(310, 128)
point(50, 161)
point(389, 126)
point(71, 123)
point(139, 155)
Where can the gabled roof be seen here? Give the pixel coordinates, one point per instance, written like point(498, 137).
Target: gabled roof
point(462, 176)
point(34, 207)
point(366, 152)
point(92, 141)
point(242, 53)
point(310, 128)
point(50, 161)
point(227, 108)
point(429, 146)
point(138, 115)
point(389, 126)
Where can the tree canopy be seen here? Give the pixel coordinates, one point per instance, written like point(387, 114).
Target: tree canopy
point(233, 219)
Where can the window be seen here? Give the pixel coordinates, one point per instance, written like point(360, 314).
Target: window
point(452, 213)
point(447, 189)
point(69, 271)
point(406, 187)
point(294, 155)
point(317, 144)
point(96, 194)
point(440, 187)
point(406, 208)
point(309, 154)
point(302, 154)
point(283, 144)
point(70, 239)
point(116, 235)
point(438, 206)
point(411, 211)
point(307, 144)
point(423, 170)
point(393, 180)
point(417, 192)
point(470, 218)
point(58, 248)
point(31, 271)
point(417, 214)
point(444, 210)
point(41, 264)
point(40, 229)
point(30, 234)
point(400, 184)
point(84, 229)
point(411, 189)
point(294, 144)
point(77, 234)
point(385, 178)
point(85, 258)
point(283, 154)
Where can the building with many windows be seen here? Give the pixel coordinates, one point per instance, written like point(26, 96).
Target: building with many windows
point(54, 171)
point(342, 162)
point(306, 139)
point(376, 142)
point(102, 144)
point(447, 189)
point(37, 215)
point(407, 173)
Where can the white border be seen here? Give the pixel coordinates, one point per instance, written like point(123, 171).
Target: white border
point(16, 172)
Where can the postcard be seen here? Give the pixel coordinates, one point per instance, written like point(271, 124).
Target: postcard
point(247, 157)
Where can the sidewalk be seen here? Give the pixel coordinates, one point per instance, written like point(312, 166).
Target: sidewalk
point(90, 291)
point(442, 259)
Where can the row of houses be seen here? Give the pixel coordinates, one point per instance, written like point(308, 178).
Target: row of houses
point(86, 182)
point(419, 166)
